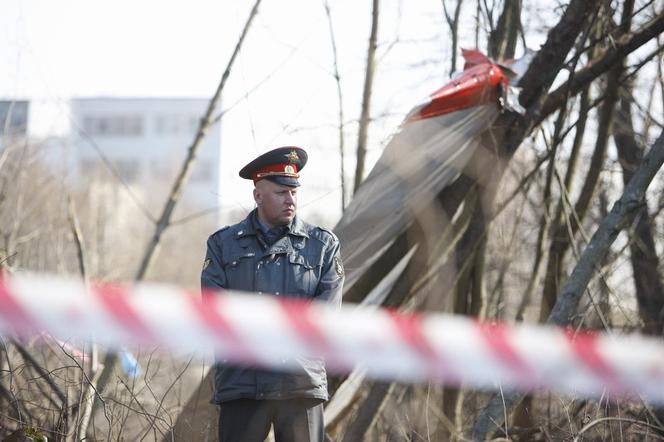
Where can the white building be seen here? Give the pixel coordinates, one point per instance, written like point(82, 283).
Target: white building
point(144, 141)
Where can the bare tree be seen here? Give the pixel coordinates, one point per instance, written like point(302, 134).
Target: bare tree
point(502, 40)
point(453, 23)
point(337, 79)
point(365, 115)
point(644, 258)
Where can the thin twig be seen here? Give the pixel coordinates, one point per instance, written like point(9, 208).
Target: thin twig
point(589, 425)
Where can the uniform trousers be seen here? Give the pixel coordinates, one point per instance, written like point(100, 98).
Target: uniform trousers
point(249, 420)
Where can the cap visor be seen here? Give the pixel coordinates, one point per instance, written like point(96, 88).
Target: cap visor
point(284, 181)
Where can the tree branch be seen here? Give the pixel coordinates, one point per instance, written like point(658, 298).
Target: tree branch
point(620, 215)
point(582, 78)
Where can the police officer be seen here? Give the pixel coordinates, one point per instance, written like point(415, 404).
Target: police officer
point(272, 251)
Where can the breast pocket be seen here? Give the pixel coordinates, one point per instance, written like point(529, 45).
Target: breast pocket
point(302, 276)
point(240, 272)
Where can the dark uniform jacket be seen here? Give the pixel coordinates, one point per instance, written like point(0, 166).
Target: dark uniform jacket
point(304, 263)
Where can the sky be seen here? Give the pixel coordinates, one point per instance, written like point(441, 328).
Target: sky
point(281, 90)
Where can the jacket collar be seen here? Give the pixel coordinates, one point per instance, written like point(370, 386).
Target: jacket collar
point(298, 228)
point(245, 227)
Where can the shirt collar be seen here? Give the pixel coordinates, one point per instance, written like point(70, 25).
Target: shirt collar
point(260, 225)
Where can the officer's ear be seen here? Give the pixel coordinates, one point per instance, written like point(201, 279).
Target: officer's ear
point(258, 198)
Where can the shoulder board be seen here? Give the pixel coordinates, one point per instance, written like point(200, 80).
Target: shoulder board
point(326, 232)
point(220, 231)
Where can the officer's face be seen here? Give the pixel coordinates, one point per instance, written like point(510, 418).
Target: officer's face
point(276, 203)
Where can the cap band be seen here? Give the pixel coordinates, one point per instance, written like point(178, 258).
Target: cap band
point(287, 170)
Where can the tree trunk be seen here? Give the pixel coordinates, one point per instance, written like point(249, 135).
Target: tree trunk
point(622, 212)
point(565, 232)
point(337, 79)
point(644, 259)
point(545, 219)
point(368, 411)
point(502, 40)
point(365, 115)
point(453, 23)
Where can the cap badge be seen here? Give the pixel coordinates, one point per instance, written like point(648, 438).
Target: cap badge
point(289, 169)
point(292, 156)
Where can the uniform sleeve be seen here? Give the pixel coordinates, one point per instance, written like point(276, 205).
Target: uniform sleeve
point(331, 282)
point(213, 275)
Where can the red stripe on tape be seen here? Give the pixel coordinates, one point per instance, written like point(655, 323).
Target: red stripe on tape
point(496, 337)
point(299, 318)
point(584, 346)
point(410, 330)
point(13, 312)
point(208, 309)
point(114, 299)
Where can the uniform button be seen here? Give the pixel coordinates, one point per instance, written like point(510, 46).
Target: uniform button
point(276, 293)
point(260, 293)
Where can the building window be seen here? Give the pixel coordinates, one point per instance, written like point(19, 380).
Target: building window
point(167, 124)
point(113, 125)
point(170, 124)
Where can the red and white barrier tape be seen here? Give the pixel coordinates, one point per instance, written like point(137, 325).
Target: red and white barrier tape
point(272, 331)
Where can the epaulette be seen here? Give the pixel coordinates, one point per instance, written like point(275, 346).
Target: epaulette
point(328, 232)
point(223, 229)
